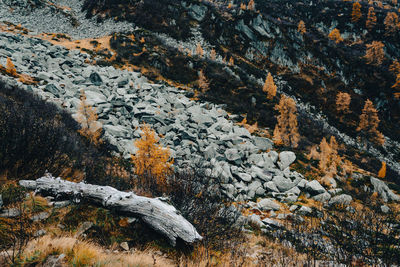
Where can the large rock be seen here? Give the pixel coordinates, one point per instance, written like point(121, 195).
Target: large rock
point(40, 216)
point(232, 154)
point(96, 79)
point(268, 204)
point(10, 213)
point(383, 190)
point(304, 210)
point(340, 200)
point(197, 12)
point(244, 176)
point(272, 223)
point(262, 143)
point(271, 186)
point(255, 220)
point(315, 188)
point(263, 174)
point(94, 98)
point(117, 131)
point(285, 159)
point(323, 197)
point(282, 183)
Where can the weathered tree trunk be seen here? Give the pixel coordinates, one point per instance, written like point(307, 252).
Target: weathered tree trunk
point(161, 216)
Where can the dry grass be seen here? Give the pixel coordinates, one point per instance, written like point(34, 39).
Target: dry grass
point(255, 251)
point(83, 253)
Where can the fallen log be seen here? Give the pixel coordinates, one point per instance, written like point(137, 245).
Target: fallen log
point(158, 214)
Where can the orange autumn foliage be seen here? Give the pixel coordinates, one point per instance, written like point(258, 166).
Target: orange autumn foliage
point(199, 50)
point(343, 104)
point(375, 53)
point(369, 122)
point(10, 68)
point(286, 131)
point(391, 23)
point(87, 118)
point(334, 35)
point(371, 19)
point(329, 158)
point(203, 83)
point(382, 171)
point(356, 13)
point(395, 67)
point(251, 5)
point(152, 159)
point(269, 87)
point(213, 54)
point(301, 27)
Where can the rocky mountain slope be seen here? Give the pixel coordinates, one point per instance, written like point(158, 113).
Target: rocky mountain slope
point(137, 66)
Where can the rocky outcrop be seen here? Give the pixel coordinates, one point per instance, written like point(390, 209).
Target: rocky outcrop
point(196, 133)
point(383, 190)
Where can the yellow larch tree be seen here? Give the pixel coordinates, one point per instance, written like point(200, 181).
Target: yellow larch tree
point(391, 23)
point(203, 83)
point(231, 61)
point(151, 159)
point(356, 13)
point(396, 86)
point(10, 68)
point(369, 122)
point(375, 53)
point(213, 54)
point(328, 156)
point(251, 5)
point(343, 103)
point(382, 171)
point(269, 87)
point(325, 151)
point(301, 27)
point(395, 67)
point(371, 19)
point(199, 50)
point(286, 130)
point(334, 35)
point(87, 117)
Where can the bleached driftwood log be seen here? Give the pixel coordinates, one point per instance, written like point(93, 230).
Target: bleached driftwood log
point(161, 216)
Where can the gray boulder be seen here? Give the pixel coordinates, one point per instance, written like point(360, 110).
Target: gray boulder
point(271, 186)
point(244, 176)
point(383, 190)
point(255, 219)
point(315, 188)
point(268, 204)
point(52, 89)
point(272, 223)
point(385, 209)
point(282, 183)
point(254, 186)
point(305, 210)
point(262, 143)
point(10, 213)
point(285, 159)
point(341, 200)
point(324, 197)
point(117, 131)
point(263, 174)
point(40, 216)
point(273, 156)
point(95, 79)
point(232, 154)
